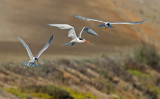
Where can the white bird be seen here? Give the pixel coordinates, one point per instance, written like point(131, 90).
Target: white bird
point(34, 60)
point(107, 24)
point(72, 33)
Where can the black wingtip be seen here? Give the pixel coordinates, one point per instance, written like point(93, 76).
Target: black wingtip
point(145, 20)
point(51, 38)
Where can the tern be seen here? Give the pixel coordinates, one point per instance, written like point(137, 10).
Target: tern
point(34, 60)
point(72, 33)
point(107, 24)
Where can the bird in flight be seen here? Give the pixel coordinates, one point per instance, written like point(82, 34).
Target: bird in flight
point(107, 24)
point(34, 60)
point(72, 33)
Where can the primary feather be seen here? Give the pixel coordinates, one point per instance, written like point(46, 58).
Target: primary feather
point(26, 46)
point(71, 30)
point(89, 31)
point(129, 22)
point(87, 19)
point(45, 47)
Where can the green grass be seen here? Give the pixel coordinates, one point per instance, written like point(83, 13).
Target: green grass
point(16, 92)
point(77, 94)
point(154, 89)
point(48, 92)
point(24, 95)
point(137, 73)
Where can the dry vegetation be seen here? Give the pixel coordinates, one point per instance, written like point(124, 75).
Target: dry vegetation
point(135, 77)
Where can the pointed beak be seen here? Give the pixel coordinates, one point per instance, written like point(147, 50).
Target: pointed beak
point(105, 28)
point(86, 41)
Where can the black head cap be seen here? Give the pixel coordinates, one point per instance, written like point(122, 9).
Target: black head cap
point(80, 38)
point(36, 59)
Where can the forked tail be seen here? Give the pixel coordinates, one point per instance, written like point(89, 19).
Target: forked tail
point(70, 43)
point(102, 25)
point(30, 64)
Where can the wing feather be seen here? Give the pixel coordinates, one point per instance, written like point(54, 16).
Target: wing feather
point(89, 31)
point(129, 22)
point(45, 47)
point(87, 19)
point(26, 46)
point(71, 30)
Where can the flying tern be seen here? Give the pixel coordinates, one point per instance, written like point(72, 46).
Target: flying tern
point(34, 60)
point(72, 33)
point(107, 24)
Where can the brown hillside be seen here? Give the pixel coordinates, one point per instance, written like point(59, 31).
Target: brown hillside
point(29, 20)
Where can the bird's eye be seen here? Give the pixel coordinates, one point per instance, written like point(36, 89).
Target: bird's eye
point(80, 38)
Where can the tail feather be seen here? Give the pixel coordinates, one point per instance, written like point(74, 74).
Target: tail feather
point(102, 25)
point(70, 43)
point(110, 26)
point(29, 64)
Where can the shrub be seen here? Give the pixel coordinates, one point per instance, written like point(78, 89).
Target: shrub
point(51, 90)
point(148, 55)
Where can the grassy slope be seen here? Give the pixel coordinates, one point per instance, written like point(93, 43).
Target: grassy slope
point(96, 78)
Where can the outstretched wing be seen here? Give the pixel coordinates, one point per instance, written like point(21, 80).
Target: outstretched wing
point(129, 22)
point(71, 31)
point(45, 47)
point(87, 19)
point(89, 31)
point(26, 46)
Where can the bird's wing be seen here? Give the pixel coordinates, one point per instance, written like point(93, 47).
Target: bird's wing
point(45, 47)
point(26, 46)
point(89, 31)
point(87, 19)
point(71, 30)
point(129, 22)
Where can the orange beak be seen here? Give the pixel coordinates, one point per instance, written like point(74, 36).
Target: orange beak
point(105, 27)
point(86, 41)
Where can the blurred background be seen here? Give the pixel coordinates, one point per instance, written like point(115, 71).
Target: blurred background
point(122, 63)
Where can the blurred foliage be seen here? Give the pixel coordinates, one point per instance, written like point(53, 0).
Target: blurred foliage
point(154, 89)
point(148, 55)
point(16, 92)
point(116, 77)
point(49, 92)
point(52, 91)
point(44, 92)
point(76, 94)
point(138, 73)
